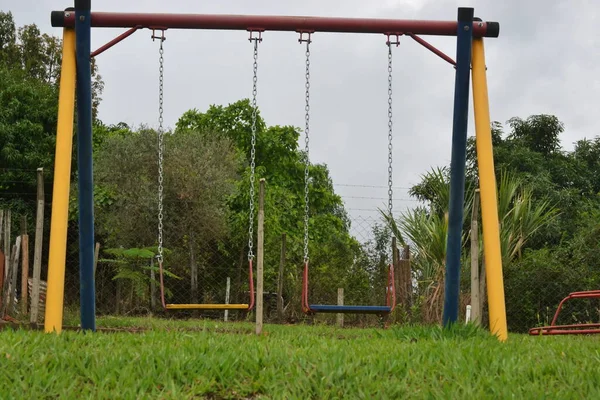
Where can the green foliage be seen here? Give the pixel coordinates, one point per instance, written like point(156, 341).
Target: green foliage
point(538, 133)
point(133, 266)
point(29, 75)
point(536, 284)
point(561, 193)
point(520, 215)
point(333, 252)
point(27, 123)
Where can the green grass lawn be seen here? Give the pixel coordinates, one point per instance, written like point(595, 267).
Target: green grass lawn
point(218, 360)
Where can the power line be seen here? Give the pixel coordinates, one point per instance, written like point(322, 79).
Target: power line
point(370, 186)
point(375, 198)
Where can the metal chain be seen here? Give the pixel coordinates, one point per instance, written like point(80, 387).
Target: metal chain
point(390, 130)
point(253, 150)
point(161, 148)
point(306, 148)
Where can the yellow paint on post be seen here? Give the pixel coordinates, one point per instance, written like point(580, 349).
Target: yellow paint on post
point(489, 199)
point(60, 197)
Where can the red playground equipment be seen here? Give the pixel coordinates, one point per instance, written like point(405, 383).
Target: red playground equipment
point(573, 329)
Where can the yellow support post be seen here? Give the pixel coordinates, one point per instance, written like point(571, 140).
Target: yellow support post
point(62, 177)
point(489, 202)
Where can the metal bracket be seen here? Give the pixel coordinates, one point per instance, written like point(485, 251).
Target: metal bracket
point(389, 42)
point(162, 30)
point(301, 39)
point(255, 38)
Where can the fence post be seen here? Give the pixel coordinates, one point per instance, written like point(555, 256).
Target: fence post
point(2, 251)
point(400, 295)
point(475, 302)
point(37, 252)
point(340, 302)
point(280, 280)
point(96, 255)
point(9, 298)
point(24, 264)
point(227, 288)
point(7, 247)
point(482, 288)
point(260, 257)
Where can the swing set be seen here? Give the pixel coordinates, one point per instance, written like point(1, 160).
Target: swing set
point(470, 60)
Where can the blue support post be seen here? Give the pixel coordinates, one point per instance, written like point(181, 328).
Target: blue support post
point(457, 164)
point(85, 166)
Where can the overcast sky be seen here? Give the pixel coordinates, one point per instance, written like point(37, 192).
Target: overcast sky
point(545, 61)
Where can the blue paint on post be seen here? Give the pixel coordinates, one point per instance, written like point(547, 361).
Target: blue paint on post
point(457, 165)
point(84, 163)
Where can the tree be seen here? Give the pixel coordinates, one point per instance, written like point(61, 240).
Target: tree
point(27, 123)
point(333, 252)
point(198, 177)
point(29, 75)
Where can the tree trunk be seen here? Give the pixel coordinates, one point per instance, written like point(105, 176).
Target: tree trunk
point(37, 250)
point(280, 280)
point(404, 280)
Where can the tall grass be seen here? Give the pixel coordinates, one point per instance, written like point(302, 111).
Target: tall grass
point(226, 361)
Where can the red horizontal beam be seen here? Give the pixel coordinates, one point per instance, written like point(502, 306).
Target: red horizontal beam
point(274, 23)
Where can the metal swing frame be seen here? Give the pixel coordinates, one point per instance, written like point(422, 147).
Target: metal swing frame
point(77, 23)
point(308, 308)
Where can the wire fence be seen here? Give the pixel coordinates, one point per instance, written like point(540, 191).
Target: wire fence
point(206, 263)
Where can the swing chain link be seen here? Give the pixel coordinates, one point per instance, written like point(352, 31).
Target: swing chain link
point(390, 130)
point(253, 149)
point(161, 147)
point(306, 149)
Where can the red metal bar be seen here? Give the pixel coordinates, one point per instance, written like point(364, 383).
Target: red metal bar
point(116, 40)
point(275, 23)
point(432, 48)
point(575, 329)
point(572, 329)
point(251, 284)
point(574, 295)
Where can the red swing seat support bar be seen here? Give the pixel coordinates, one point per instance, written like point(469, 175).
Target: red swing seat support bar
point(572, 329)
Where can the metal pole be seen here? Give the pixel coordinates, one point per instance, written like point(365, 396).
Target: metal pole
point(85, 165)
point(226, 317)
point(457, 165)
point(489, 205)
point(275, 23)
point(60, 196)
point(260, 253)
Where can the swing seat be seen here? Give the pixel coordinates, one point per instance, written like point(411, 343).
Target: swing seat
point(206, 306)
point(322, 308)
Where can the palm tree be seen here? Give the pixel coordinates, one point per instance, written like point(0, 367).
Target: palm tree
point(426, 229)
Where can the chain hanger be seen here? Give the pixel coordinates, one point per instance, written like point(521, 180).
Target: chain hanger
point(256, 41)
point(308, 41)
point(161, 143)
point(390, 123)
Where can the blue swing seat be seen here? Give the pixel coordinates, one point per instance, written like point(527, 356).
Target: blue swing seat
point(350, 309)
